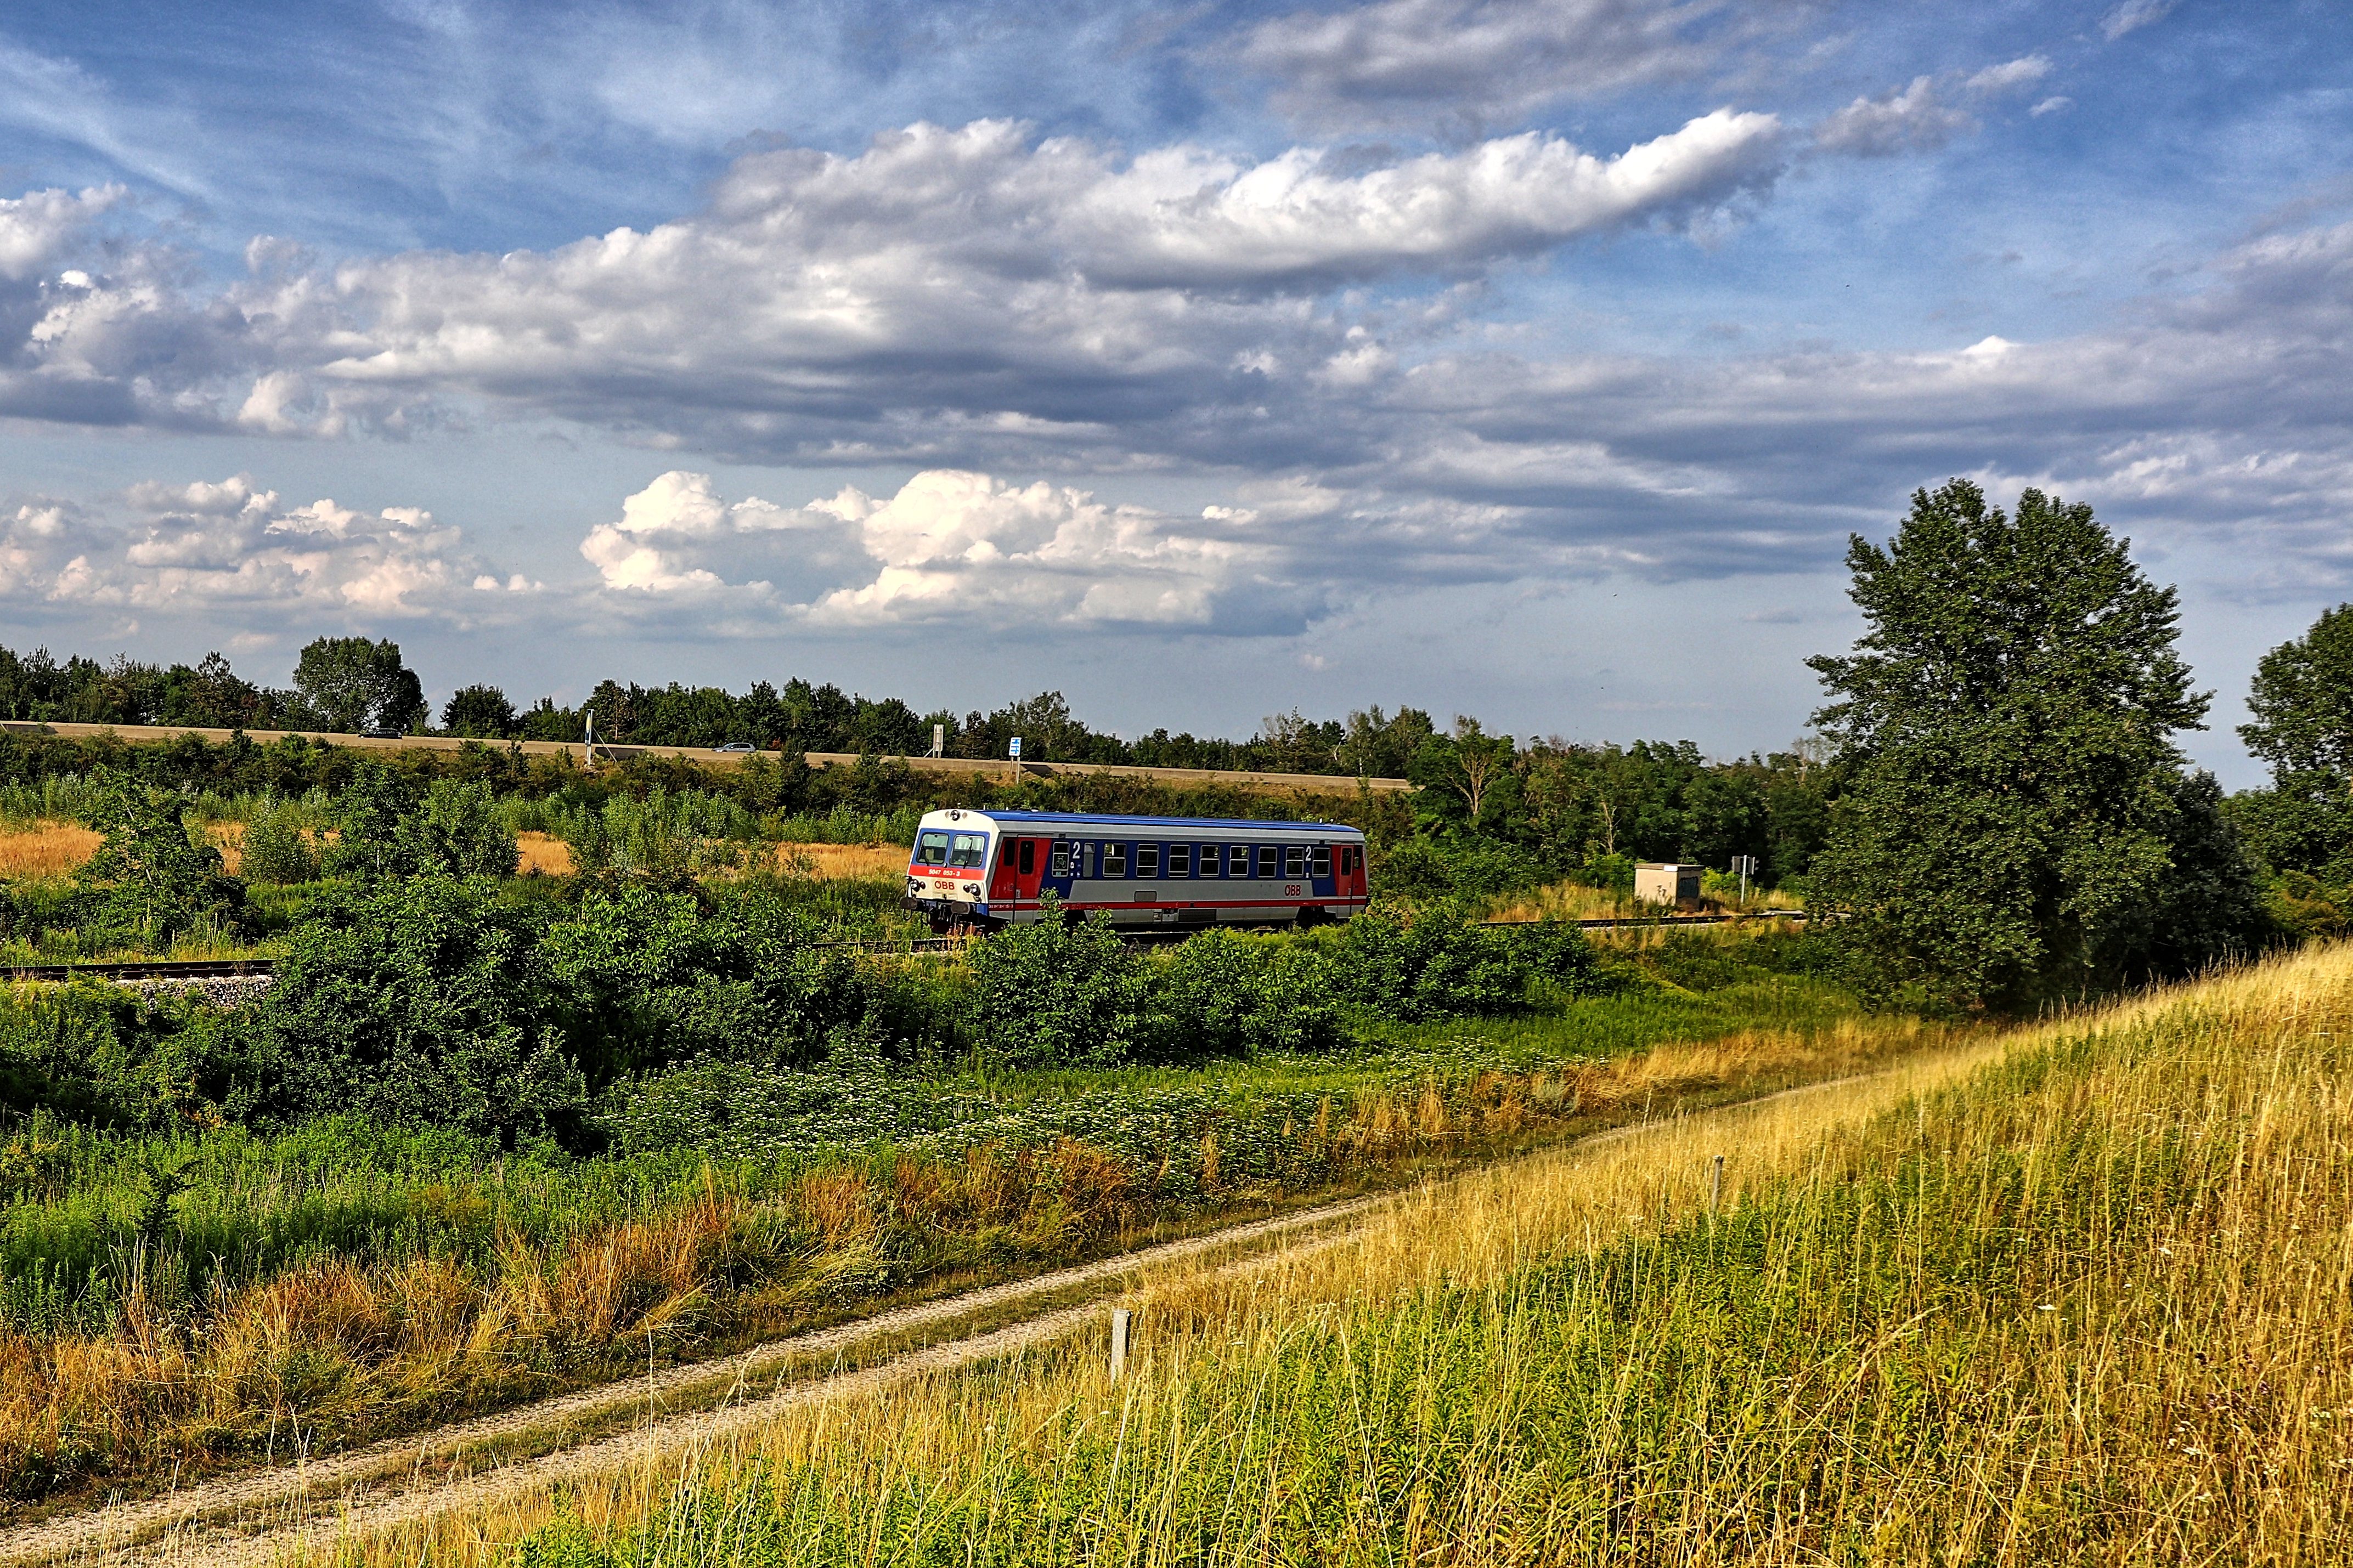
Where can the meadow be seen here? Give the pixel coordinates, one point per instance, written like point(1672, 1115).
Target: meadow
point(172, 1302)
point(2082, 1293)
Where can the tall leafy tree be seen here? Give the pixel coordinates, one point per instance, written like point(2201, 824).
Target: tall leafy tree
point(354, 684)
point(2302, 707)
point(2006, 723)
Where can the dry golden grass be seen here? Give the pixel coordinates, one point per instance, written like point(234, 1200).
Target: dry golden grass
point(549, 855)
point(1576, 902)
point(843, 860)
point(542, 853)
point(346, 1353)
point(2089, 1298)
point(47, 849)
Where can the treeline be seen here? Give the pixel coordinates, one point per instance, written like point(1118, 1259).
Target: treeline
point(1489, 813)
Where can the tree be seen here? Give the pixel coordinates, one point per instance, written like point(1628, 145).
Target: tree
point(2303, 726)
point(149, 881)
point(354, 684)
point(2005, 720)
point(1469, 764)
point(481, 713)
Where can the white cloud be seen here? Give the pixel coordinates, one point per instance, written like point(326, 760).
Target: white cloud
point(229, 547)
point(926, 297)
point(1911, 118)
point(2133, 15)
point(2052, 105)
point(950, 548)
point(2009, 76)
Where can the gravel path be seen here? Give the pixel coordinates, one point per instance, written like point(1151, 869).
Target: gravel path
point(199, 1524)
point(248, 1520)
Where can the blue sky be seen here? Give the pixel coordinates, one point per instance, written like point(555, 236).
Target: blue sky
point(1530, 359)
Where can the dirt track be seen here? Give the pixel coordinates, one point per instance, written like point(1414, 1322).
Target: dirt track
point(248, 1518)
point(245, 1520)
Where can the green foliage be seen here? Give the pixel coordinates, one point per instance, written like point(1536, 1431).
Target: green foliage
point(277, 850)
point(484, 713)
point(97, 1054)
point(668, 837)
point(456, 831)
point(1222, 993)
point(1058, 992)
point(649, 978)
point(149, 881)
point(1432, 963)
point(354, 684)
point(2011, 789)
point(423, 1001)
point(2302, 703)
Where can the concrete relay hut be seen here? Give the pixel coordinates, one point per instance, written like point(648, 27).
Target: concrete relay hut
point(1666, 883)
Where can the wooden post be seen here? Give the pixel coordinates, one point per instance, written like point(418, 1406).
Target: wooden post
point(1119, 1321)
point(1715, 1183)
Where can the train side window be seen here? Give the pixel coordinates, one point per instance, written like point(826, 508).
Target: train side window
point(1323, 860)
point(1114, 860)
point(1237, 859)
point(1269, 860)
point(1062, 861)
point(1148, 859)
point(1295, 860)
point(1180, 859)
point(1028, 856)
point(932, 849)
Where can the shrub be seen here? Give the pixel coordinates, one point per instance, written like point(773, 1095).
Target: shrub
point(149, 881)
point(1222, 993)
point(424, 1002)
point(277, 851)
point(1057, 992)
point(1434, 964)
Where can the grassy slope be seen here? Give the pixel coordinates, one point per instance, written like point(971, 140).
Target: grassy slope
point(2091, 1302)
point(347, 1281)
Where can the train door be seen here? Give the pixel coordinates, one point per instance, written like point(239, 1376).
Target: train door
point(1004, 876)
point(1350, 875)
point(1029, 862)
point(1059, 868)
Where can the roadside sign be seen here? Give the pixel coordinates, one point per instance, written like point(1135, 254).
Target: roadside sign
point(1017, 748)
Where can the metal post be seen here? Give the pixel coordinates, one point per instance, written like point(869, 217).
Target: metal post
point(1715, 1183)
point(1119, 1321)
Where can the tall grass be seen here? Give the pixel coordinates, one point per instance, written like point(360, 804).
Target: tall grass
point(170, 1302)
point(2091, 1302)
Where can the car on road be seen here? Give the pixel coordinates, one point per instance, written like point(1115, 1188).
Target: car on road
point(383, 733)
point(737, 746)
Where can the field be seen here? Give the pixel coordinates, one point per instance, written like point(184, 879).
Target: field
point(2079, 1295)
point(343, 1280)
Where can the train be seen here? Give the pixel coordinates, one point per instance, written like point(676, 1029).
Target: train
point(987, 869)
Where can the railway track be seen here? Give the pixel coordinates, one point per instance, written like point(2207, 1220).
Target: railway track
point(148, 969)
point(242, 968)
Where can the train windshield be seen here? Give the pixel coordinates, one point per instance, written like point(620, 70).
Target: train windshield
point(969, 850)
point(932, 849)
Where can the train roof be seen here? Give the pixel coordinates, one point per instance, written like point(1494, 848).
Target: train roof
point(1082, 819)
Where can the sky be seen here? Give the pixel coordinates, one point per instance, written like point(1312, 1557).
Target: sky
point(1527, 359)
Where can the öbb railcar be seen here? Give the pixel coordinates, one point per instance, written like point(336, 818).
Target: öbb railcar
point(993, 868)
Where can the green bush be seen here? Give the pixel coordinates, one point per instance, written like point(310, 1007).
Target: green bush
point(423, 1002)
point(149, 881)
point(1435, 964)
point(1057, 992)
point(1225, 994)
point(277, 851)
